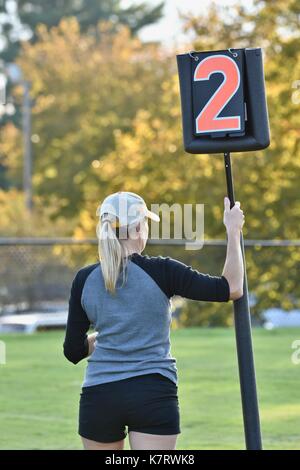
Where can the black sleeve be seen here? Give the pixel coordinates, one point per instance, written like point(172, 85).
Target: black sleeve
point(187, 282)
point(75, 344)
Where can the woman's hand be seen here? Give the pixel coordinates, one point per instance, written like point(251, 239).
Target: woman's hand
point(91, 341)
point(234, 266)
point(233, 218)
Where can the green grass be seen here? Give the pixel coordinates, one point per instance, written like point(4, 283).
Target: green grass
point(39, 391)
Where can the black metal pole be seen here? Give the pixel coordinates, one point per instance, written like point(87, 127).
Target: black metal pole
point(244, 345)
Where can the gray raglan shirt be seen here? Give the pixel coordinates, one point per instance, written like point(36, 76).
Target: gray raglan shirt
point(134, 325)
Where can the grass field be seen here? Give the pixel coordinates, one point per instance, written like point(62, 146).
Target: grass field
point(39, 391)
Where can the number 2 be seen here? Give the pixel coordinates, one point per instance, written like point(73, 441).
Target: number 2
point(208, 120)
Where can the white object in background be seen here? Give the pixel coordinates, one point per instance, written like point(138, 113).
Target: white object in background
point(31, 322)
point(278, 318)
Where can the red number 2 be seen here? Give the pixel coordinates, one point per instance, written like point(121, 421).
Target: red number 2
point(208, 120)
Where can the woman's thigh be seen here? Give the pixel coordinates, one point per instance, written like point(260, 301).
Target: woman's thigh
point(88, 444)
point(145, 441)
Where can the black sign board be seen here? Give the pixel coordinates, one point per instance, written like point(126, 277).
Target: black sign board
point(223, 101)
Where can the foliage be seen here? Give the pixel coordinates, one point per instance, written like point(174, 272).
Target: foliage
point(107, 117)
point(28, 14)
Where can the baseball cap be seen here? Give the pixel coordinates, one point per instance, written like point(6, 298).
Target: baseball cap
point(127, 207)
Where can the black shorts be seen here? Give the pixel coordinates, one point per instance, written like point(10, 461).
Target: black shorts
point(145, 403)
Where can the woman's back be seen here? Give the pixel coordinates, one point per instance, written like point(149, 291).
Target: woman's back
point(133, 324)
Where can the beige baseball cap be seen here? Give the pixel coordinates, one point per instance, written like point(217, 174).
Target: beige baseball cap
point(127, 207)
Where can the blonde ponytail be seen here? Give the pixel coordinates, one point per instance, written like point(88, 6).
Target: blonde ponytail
point(112, 253)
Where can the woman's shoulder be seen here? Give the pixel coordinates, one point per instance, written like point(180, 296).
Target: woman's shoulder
point(144, 258)
point(83, 272)
point(160, 260)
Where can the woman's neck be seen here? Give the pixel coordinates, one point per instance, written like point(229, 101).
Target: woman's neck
point(131, 248)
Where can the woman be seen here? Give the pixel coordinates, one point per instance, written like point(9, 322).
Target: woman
point(131, 378)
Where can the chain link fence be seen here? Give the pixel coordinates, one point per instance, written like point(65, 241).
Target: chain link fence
point(36, 273)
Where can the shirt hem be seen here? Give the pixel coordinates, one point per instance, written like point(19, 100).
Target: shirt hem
point(90, 383)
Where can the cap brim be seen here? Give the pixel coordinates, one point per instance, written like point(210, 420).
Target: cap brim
point(152, 215)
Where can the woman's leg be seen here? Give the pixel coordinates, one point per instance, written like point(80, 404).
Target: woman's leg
point(94, 445)
point(143, 441)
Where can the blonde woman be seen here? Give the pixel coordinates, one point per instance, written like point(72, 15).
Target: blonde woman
point(131, 378)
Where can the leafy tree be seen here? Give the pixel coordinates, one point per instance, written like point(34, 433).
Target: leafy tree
point(19, 19)
point(83, 91)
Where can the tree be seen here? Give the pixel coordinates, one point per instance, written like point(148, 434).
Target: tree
point(19, 19)
point(83, 91)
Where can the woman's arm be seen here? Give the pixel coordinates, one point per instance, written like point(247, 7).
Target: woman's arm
point(76, 344)
point(177, 278)
point(233, 269)
point(181, 279)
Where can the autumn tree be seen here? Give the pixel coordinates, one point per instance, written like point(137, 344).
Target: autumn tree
point(83, 91)
point(19, 19)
